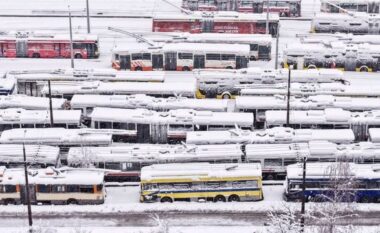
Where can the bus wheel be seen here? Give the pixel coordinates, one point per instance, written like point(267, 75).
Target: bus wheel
point(185, 68)
point(229, 67)
point(226, 96)
point(36, 55)
point(138, 68)
point(365, 200)
point(363, 69)
point(9, 202)
point(234, 198)
point(78, 56)
point(166, 199)
point(72, 202)
point(219, 198)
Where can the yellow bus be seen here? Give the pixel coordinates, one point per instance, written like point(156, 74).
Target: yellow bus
point(201, 182)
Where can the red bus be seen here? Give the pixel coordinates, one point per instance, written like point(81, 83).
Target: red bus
point(48, 46)
point(216, 22)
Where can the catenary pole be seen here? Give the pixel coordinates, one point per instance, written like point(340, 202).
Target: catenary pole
point(88, 16)
point(30, 219)
point(71, 39)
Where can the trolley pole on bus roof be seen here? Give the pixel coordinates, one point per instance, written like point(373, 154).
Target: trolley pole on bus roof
point(71, 39)
point(302, 220)
point(277, 41)
point(30, 220)
point(50, 106)
point(88, 17)
point(267, 21)
point(288, 99)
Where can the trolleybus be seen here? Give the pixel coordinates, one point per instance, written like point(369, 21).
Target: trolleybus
point(367, 6)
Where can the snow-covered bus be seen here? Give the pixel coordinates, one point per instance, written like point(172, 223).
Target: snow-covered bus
point(216, 22)
point(347, 57)
point(260, 45)
point(48, 46)
point(273, 135)
point(336, 181)
point(367, 6)
point(287, 8)
point(166, 89)
point(52, 186)
point(181, 57)
point(201, 182)
point(329, 118)
point(171, 126)
point(11, 155)
point(20, 118)
point(123, 162)
point(361, 23)
point(87, 103)
point(30, 102)
point(229, 83)
point(30, 82)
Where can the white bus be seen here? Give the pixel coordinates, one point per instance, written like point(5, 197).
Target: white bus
point(181, 57)
point(52, 186)
point(311, 89)
point(123, 162)
point(361, 23)
point(228, 83)
point(31, 103)
point(273, 135)
point(31, 82)
point(329, 118)
point(367, 6)
point(166, 89)
point(260, 45)
point(20, 118)
point(11, 155)
point(87, 103)
point(201, 182)
point(161, 127)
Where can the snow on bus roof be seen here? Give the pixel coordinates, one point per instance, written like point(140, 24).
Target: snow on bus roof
point(331, 170)
point(52, 37)
point(34, 153)
point(326, 116)
point(30, 102)
point(22, 116)
point(228, 37)
point(51, 175)
point(149, 102)
point(153, 153)
point(154, 88)
point(307, 102)
point(217, 16)
point(272, 135)
point(178, 116)
point(57, 136)
point(199, 171)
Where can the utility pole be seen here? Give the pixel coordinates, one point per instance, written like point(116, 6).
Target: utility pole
point(303, 195)
point(267, 22)
point(50, 106)
point(88, 17)
point(71, 39)
point(277, 41)
point(27, 188)
point(288, 99)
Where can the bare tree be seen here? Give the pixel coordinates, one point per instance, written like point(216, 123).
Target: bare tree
point(284, 221)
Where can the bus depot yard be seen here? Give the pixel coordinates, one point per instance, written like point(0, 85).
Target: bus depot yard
point(190, 115)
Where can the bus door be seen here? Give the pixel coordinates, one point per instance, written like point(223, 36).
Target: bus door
point(171, 61)
point(373, 28)
point(1, 50)
point(350, 64)
point(125, 62)
point(241, 62)
point(22, 48)
point(199, 61)
point(90, 50)
point(300, 63)
point(257, 7)
point(157, 61)
point(57, 50)
point(32, 194)
point(207, 25)
point(143, 133)
point(294, 9)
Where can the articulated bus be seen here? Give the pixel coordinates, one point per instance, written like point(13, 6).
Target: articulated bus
point(48, 46)
point(181, 57)
point(367, 6)
point(201, 182)
point(260, 44)
point(287, 8)
point(52, 186)
point(338, 182)
point(217, 22)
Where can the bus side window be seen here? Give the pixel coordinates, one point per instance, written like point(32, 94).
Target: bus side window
point(253, 47)
point(86, 189)
point(42, 188)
